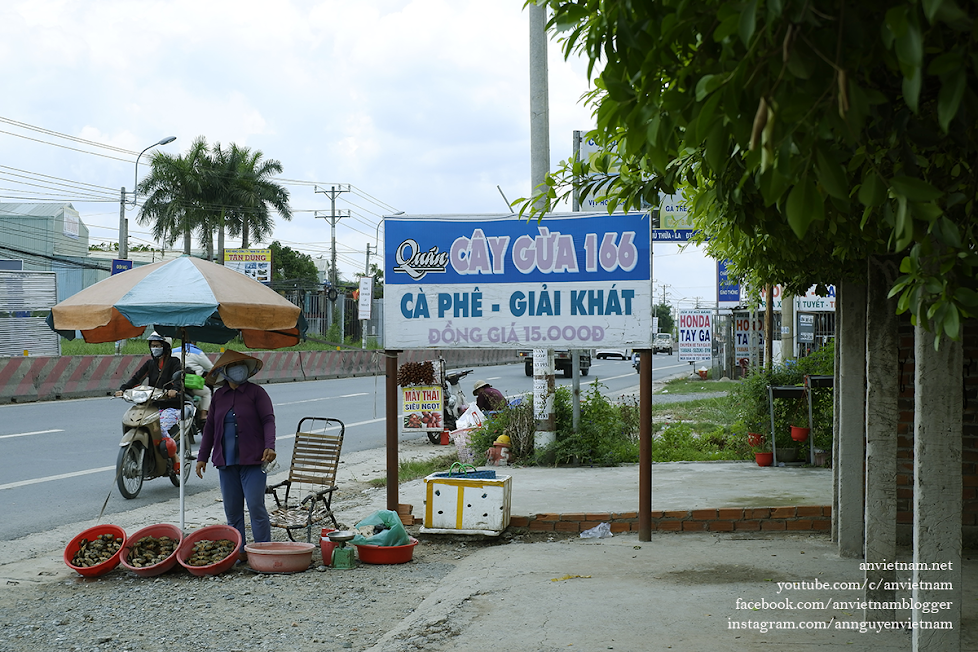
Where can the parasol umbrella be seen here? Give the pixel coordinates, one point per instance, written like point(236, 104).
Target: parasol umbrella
point(213, 303)
point(188, 297)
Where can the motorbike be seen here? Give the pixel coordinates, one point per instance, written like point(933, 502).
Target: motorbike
point(454, 399)
point(142, 452)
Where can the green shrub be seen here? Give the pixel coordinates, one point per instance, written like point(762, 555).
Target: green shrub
point(751, 401)
point(604, 437)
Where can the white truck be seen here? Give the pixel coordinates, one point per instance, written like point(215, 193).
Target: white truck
point(562, 361)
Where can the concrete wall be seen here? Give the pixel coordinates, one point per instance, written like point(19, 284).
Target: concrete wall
point(43, 378)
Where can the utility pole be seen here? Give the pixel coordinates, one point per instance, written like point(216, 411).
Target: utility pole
point(123, 227)
point(363, 322)
point(543, 359)
point(664, 286)
point(333, 217)
point(576, 203)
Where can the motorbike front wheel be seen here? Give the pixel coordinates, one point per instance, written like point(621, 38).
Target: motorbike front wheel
point(129, 470)
point(434, 437)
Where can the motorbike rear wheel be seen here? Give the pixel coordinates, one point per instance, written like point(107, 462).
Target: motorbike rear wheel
point(129, 470)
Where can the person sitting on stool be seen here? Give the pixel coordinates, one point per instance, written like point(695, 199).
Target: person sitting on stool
point(488, 398)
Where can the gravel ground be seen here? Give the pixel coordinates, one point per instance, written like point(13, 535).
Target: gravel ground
point(321, 609)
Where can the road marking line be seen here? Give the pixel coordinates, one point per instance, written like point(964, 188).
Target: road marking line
point(74, 474)
point(24, 434)
point(324, 398)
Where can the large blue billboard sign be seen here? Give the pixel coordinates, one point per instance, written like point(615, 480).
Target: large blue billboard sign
point(494, 281)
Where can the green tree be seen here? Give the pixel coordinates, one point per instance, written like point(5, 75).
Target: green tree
point(808, 136)
point(256, 195)
point(293, 266)
point(664, 312)
point(213, 189)
point(175, 194)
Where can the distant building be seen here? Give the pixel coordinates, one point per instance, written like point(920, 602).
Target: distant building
point(50, 238)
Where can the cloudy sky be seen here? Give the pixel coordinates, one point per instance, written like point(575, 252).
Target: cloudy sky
point(422, 106)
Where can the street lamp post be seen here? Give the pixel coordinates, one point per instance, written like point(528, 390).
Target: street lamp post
point(123, 223)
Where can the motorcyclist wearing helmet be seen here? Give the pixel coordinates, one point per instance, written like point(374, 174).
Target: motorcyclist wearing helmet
point(158, 372)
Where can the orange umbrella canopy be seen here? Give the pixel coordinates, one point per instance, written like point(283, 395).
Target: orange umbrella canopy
point(211, 302)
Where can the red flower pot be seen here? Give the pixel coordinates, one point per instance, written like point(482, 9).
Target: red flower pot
point(800, 434)
point(764, 459)
point(755, 440)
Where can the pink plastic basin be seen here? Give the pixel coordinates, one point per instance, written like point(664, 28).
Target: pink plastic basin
point(209, 533)
point(158, 530)
point(99, 569)
point(387, 554)
point(279, 556)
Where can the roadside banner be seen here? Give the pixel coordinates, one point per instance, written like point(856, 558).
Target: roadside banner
point(256, 263)
point(576, 280)
point(366, 296)
point(728, 289)
point(422, 407)
point(806, 328)
point(743, 327)
point(695, 335)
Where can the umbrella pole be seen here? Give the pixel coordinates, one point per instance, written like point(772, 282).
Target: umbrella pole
point(183, 421)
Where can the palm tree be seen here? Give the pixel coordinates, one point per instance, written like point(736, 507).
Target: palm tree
point(224, 188)
point(224, 212)
point(255, 193)
point(175, 191)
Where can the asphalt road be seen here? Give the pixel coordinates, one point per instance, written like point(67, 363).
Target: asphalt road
point(58, 458)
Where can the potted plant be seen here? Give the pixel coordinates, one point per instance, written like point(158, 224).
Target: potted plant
point(796, 415)
point(761, 448)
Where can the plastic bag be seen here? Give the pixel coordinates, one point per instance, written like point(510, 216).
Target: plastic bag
point(392, 534)
point(471, 418)
point(462, 440)
point(599, 531)
point(193, 381)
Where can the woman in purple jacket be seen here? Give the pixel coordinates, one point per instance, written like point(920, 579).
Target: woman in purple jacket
point(239, 437)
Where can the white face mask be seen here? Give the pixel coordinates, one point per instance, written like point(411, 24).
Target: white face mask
point(237, 374)
point(156, 351)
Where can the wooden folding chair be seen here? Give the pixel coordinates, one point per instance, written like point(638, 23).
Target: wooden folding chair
point(312, 474)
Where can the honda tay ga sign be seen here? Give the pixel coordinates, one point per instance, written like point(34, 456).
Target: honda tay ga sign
point(491, 281)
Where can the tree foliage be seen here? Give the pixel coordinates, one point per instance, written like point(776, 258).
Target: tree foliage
point(294, 266)
point(807, 135)
point(210, 189)
point(664, 312)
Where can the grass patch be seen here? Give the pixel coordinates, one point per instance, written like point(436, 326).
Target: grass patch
point(715, 411)
point(695, 386)
point(408, 470)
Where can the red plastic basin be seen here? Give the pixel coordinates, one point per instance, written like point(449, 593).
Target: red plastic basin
point(209, 533)
point(158, 530)
point(279, 556)
point(99, 569)
point(387, 554)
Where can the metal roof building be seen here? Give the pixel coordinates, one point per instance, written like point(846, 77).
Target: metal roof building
point(50, 238)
